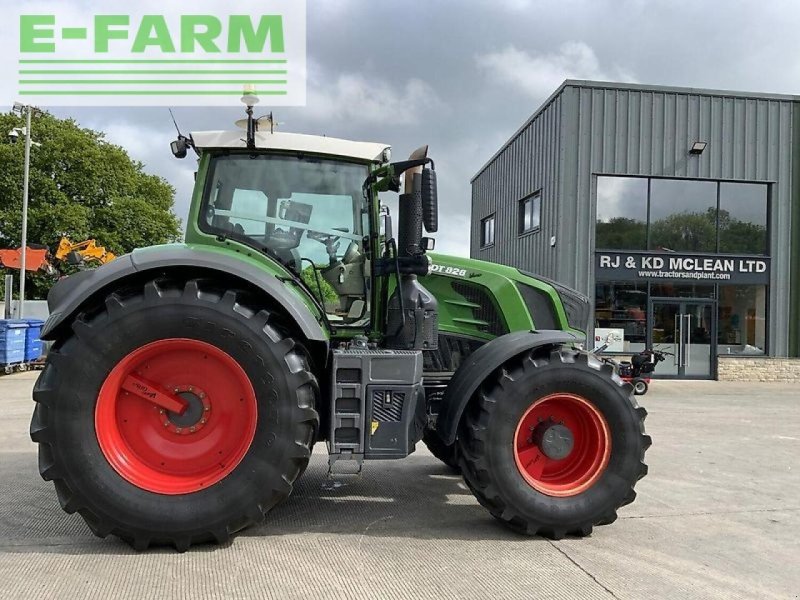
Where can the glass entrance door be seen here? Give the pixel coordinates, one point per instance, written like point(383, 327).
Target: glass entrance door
point(686, 330)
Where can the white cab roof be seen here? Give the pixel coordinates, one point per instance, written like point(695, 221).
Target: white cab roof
point(291, 141)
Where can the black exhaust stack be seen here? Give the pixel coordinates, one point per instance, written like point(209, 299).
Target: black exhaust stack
point(412, 313)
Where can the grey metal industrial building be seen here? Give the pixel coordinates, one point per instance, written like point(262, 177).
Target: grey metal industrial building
point(676, 210)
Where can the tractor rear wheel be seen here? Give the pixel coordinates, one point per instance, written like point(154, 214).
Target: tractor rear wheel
point(553, 444)
point(445, 453)
point(177, 413)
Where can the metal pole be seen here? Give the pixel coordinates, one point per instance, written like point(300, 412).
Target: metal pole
point(24, 249)
point(8, 297)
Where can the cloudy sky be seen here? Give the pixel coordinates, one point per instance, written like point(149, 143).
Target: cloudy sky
point(462, 76)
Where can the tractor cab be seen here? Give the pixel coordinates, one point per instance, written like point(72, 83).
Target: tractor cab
point(300, 200)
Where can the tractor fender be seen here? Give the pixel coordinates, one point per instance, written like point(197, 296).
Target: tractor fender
point(480, 364)
point(68, 295)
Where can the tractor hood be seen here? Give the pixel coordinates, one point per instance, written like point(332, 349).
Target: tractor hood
point(571, 308)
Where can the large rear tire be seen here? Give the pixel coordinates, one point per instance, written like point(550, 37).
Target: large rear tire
point(154, 477)
point(553, 444)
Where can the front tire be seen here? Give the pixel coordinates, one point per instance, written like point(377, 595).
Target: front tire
point(640, 387)
point(153, 477)
point(553, 444)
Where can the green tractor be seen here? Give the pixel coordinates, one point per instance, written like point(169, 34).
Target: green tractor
point(188, 383)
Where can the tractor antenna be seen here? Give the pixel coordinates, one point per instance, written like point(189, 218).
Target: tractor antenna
point(178, 129)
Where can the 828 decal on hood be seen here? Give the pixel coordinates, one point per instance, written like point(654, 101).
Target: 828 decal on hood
point(445, 270)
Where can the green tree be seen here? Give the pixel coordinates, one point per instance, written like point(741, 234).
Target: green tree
point(621, 233)
point(686, 232)
point(318, 285)
point(741, 237)
point(83, 187)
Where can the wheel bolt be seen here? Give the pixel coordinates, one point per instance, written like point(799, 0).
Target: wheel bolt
point(191, 429)
point(203, 421)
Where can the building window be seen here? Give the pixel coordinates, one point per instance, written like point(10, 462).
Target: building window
point(683, 215)
point(621, 213)
point(530, 213)
point(621, 312)
point(743, 218)
point(742, 319)
point(487, 231)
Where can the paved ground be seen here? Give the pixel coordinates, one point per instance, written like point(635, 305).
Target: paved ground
point(718, 517)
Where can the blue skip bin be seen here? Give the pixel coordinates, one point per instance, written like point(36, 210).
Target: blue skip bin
point(12, 341)
point(33, 345)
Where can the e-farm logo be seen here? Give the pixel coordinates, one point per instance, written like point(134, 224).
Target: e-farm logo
point(202, 58)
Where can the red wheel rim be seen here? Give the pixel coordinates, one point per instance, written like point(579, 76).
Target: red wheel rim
point(159, 451)
point(590, 449)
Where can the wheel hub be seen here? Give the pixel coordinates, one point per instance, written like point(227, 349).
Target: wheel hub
point(555, 440)
point(194, 417)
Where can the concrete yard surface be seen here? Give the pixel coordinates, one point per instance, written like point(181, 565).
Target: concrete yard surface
point(717, 517)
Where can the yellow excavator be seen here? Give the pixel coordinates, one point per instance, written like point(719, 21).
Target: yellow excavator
point(86, 251)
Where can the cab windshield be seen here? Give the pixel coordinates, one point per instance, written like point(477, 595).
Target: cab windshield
point(300, 209)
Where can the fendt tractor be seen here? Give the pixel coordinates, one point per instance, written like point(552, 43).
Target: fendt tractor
point(188, 383)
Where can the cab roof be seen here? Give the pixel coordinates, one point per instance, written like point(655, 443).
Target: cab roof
point(317, 144)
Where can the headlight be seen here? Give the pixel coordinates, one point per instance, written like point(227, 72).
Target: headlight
point(576, 306)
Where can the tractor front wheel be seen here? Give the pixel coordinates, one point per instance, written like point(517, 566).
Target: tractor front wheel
point(553, 444)
point(175, 413)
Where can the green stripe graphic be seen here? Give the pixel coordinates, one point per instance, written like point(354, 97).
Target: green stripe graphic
point(147, 72)
point(148, 81)
point(144, 93)
point(150, 61)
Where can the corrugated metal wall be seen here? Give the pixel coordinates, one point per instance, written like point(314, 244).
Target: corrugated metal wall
point(634, 130)
point(530, 162)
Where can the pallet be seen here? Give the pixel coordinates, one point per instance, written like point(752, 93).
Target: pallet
point(21, 367)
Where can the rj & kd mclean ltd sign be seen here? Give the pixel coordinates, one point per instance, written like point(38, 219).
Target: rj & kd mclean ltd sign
point(151, 53)
point(682, 267)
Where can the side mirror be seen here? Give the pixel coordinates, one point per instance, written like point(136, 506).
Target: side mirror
point(430, 201)
point(179, 147)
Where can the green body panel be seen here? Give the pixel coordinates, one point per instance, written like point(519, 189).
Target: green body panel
point(498, 281)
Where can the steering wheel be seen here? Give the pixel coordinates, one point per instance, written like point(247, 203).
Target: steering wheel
point(331, 242)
